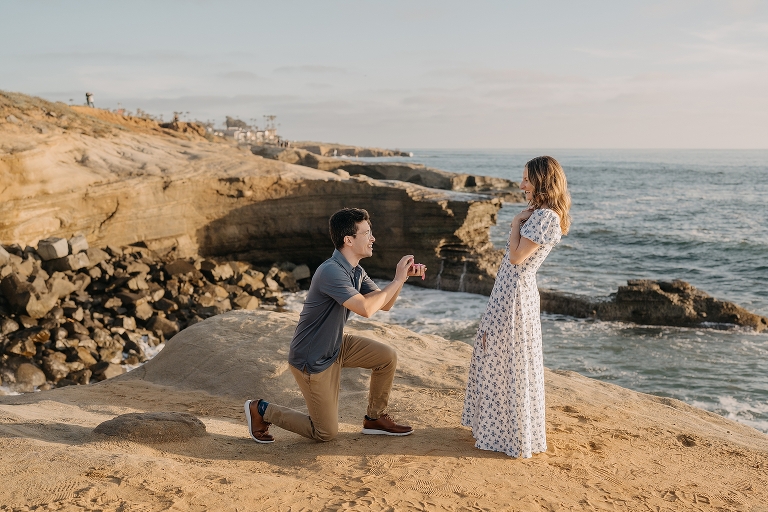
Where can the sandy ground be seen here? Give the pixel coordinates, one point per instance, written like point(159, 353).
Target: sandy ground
point(609, 448)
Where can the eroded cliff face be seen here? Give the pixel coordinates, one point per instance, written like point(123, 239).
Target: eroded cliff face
point(120, 180)
point(442, 229)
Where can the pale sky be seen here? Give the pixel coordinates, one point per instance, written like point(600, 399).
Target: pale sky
point(415, 74)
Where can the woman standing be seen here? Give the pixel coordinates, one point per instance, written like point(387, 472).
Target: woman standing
point(504, 402)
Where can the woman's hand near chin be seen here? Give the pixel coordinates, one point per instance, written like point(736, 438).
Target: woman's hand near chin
point(523, 216)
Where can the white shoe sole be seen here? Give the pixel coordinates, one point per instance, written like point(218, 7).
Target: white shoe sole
point(247, 408)
point(376, 432)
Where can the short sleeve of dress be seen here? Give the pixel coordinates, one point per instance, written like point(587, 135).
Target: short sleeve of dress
point(542, 227)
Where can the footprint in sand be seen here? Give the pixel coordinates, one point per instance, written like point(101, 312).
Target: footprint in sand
point(377, 466)
point(437, 488)
point(41, 493)
point(687, 440)
point(701, 498)
point(732, 498)
point(607, 475)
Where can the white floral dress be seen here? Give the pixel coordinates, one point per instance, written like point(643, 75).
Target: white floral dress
point(504, 402)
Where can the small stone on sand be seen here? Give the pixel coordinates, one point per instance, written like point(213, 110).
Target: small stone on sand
point(153, 427)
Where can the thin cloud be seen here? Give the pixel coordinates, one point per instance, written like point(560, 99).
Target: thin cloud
point(112, 57)
point(219, 101)
point(309, 69)
point(240, 75)
point(604, 53)
point(421, 14)
point(740, 29)
point(742, 42)
point(505, 76)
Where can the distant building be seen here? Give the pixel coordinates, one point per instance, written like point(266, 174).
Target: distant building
point(244, 133)
point(255, 136)
point(270, 135)
point(239, 134)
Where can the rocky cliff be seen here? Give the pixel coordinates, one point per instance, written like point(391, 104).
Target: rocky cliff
point(119, 180)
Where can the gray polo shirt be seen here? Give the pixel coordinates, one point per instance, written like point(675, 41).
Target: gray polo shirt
point(317, 341)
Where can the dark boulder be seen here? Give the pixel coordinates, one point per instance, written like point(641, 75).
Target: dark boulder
point(649, 302)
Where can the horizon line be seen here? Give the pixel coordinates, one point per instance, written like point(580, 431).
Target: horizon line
point(558, 149)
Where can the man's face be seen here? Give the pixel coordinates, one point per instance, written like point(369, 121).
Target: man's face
point(362, 242)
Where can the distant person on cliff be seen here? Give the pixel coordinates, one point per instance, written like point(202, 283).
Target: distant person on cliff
point(320, 348)
point(504, 401)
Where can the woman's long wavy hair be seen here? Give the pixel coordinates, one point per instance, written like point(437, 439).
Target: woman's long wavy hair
point(550, 188)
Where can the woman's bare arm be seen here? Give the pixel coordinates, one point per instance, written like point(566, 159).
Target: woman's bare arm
point(520, 248)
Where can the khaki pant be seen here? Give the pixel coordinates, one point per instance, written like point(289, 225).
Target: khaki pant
point(321, 390)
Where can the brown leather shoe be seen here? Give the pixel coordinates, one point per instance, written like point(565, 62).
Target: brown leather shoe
point(257, 427)
point(385, 425)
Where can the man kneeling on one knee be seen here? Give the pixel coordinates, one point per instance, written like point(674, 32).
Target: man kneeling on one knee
point(320, 348)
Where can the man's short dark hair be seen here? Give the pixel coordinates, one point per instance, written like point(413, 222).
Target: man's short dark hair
point(343, 223)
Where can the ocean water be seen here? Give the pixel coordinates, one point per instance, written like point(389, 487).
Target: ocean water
point(696, 215)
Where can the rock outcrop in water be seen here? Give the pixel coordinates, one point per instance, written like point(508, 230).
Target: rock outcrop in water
point(650, 302)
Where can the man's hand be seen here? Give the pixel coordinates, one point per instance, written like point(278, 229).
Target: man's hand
point(384, 299)
point(403, 268)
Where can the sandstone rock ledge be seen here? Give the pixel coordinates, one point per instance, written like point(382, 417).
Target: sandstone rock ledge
point(609, 448)
point(411, 173)
point(331, 149)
